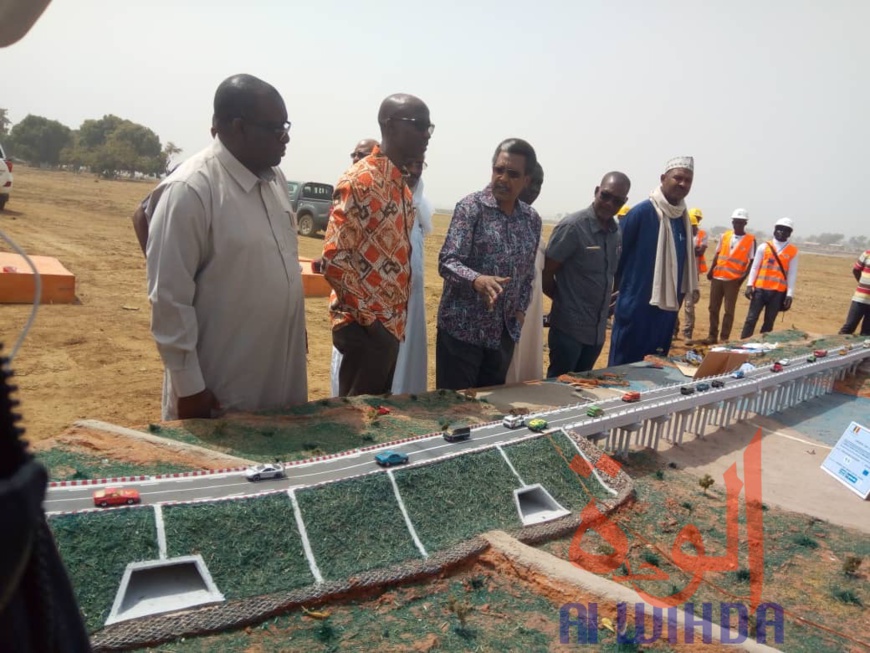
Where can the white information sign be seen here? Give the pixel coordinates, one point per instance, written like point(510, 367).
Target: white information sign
point(849, 461)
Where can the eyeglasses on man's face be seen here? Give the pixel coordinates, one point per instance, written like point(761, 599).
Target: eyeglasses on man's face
point(610, 198)
point(359, 154)
point(278, 129)
point(504, 170)
point(419, 124)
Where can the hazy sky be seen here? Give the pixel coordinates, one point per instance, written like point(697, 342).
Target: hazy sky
point(769, 96)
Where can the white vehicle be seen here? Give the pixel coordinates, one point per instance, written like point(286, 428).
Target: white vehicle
point(513, 421)
point(783, 361)
point(5, 178)
point(269, 470)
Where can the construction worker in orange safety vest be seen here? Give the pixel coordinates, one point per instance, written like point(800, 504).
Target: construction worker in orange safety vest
point(700, 238)
point(729, 268)
point(772, 279)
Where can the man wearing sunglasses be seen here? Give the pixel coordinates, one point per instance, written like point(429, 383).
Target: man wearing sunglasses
point(656, 268)
point(488, 266)
point(367, 250)
point(580, 265)
point(227, 307)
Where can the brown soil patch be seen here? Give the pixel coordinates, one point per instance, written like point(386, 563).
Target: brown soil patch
point(126, 449)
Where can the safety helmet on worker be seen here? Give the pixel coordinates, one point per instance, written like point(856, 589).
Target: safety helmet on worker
point(785, 222)
point(693, 220)
point(623, 211)
point(740, 214)
point(696, 213)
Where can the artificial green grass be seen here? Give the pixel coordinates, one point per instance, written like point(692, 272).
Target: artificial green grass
point(459, 498)
point(546, 460)
point(355, 525)
point(251, 546)
point(96, 548)
point(265, 439)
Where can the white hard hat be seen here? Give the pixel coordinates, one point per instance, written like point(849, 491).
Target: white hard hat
point(785, 222)
point(740, 214)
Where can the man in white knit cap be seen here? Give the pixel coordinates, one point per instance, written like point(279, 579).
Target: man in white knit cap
point(656, 268)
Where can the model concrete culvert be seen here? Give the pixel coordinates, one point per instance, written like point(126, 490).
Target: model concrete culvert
point(536, 505)
point(158, 586)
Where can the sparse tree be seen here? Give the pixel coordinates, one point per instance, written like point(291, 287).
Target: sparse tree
point(706, 482)
point(829, 238)
point(40, 140)
point(112, 144)
point(858, 242)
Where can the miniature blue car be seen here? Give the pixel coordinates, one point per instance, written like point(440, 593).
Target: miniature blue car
point(703, 387)
point(390, 458)
point(739, 374)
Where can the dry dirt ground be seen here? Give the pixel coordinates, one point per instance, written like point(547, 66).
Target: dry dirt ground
point(96, 359)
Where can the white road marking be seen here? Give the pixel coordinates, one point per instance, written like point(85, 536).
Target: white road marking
point(161, 531)
point(407, 517)
point(507, 460)
point(303, 533)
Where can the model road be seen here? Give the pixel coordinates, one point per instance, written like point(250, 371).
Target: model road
point(660, 401)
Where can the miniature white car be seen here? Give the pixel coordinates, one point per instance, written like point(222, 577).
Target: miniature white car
point(269, 470)
point(512, 421)
point(783, 361)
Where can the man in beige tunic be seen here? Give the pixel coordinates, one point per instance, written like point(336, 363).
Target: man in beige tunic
point(227, 304)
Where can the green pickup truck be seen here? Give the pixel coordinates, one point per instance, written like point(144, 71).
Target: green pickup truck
point(311, 201)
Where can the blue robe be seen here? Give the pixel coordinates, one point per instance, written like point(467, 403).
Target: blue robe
point(638, 328)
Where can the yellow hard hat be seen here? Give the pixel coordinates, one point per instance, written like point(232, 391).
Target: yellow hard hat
point(695, 212)
point(693, 220)
point(625, 209)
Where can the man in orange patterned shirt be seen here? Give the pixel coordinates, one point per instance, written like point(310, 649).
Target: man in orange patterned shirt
point(367, 250)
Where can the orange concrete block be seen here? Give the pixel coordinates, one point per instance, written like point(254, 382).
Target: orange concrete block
point(314, 284)
point(17, 283)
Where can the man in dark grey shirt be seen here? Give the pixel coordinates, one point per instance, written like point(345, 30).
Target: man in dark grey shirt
point(581, 261)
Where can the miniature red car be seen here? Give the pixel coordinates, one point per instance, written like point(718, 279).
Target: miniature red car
point(777, 367)
point(820, 353)
point(631, 397)
point(116, 496)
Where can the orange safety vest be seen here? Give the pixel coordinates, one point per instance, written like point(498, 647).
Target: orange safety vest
point(702, 261)
point(770, 276)
point(728, 265)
